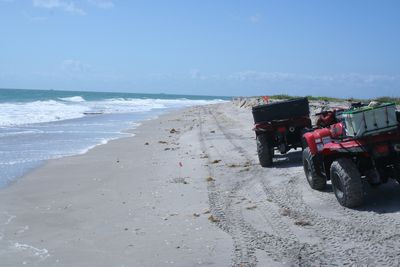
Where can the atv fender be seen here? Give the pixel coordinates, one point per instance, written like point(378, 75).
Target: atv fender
point(317, 139)
point(310, 142)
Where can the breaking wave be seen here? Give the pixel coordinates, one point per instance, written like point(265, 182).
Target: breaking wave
point(12, 114)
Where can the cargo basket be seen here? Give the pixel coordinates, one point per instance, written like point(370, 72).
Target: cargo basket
point(370, 120)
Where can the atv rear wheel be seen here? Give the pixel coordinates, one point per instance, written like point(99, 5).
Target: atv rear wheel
point(265, 150)
point(346, 183)
point(314, 178)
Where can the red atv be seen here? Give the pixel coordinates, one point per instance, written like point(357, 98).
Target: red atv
point(363, 146)
point(280, 125)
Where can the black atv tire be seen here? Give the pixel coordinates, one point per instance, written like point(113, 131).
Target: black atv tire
point(314, 177)
point(265, 150)
point(346, 183)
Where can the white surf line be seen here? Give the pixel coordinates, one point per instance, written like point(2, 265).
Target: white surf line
point(37, 252)
point(23, 229)
point(9, 219)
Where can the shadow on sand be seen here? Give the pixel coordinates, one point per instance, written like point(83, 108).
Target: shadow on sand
point(381, 199)
point(291, 159)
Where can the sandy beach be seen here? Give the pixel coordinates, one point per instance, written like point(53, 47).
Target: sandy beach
point(187, 190)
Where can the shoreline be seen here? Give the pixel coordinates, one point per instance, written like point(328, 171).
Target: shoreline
point(122, 133)
point(130, 132)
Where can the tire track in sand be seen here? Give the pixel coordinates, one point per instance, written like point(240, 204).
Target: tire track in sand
point(246, 238)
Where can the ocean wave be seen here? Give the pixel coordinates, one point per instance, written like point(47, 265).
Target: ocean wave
point(14, 114)
point(72, 99)
point(19, 132)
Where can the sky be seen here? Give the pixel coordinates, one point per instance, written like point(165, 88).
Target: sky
point(341, 48)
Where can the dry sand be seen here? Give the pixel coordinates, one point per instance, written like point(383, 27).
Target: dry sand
point(187, 190)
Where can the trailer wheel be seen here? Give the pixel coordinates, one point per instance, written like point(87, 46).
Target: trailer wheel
point(314, 178)
point(265, 150)
point(346, 183)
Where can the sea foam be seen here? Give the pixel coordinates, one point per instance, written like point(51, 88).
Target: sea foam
point(14, 114)
point(38, 111)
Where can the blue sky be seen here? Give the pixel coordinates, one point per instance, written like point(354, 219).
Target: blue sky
point(344, 48)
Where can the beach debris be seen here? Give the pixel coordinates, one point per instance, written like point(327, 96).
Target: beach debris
point(146, 144)
point(245, 170)
point(302, 223)
point(162, 142)
point(173, 130)
point(204, 156)
point(251, 207)
point(179, 180)
point(169, 215)
point(167, 148)
point(212, 131)
point(213, 219)
point(247, 164)
point(216, 161)
point(126, 228)
point(196, 214)
point(233, 165)
point(210, 179)
point(206, 211)
point(285, 212)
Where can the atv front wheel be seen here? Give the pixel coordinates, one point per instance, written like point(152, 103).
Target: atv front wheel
point(346, 183)
point(314, 178)
point(265, 150)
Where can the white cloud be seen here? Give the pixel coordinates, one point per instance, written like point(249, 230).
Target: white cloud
point(255, 18)
point(251, 75)
point(196, 74)
point(28, 16)
point(59, 4)
point(105, 4)
point(73, 66)
point(39, 18)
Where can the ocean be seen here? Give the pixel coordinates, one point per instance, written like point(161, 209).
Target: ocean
point(38, 125)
